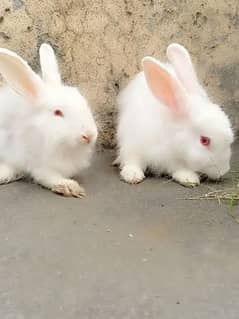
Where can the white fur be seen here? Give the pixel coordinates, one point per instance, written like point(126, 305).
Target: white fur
point(166, 138)
point(32, 139)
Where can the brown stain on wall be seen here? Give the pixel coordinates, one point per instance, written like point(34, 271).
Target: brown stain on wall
point(100, 44)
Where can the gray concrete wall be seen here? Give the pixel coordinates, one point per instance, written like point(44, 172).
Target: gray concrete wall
point(100, 43)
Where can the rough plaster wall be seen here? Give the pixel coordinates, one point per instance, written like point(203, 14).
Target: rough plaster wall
point(100, 43)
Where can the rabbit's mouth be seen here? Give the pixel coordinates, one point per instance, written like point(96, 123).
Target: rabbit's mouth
point(83, 141)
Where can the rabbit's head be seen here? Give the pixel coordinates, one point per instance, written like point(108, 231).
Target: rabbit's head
point(58, 113)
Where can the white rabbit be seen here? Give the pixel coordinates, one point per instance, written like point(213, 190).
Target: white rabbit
point(168, 124)
point(47, 130)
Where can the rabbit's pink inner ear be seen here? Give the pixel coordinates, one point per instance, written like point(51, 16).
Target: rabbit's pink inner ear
point(27, 86)
point(161, 84)
point(20, 76)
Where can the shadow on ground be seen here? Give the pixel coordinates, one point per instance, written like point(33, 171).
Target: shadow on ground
point(125, 251)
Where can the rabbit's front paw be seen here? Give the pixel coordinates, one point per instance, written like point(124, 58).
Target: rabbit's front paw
point(69, 188)
point(116, 162)
point(132, 174)
point(186, 178)
point(8, 174)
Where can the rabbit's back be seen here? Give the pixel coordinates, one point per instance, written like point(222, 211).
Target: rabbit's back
point(143, 121)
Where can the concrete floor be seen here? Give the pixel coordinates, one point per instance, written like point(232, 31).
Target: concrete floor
point(123, 252)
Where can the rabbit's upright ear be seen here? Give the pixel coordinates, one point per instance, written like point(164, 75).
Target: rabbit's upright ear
point(49, 65)
point(164, 86)
point(181, 61)
point(19, 75)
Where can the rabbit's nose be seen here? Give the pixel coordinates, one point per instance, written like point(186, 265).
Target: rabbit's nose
point(87, 138)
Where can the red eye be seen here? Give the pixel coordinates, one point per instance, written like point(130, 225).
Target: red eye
point(205, 140)
point(58, 113)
